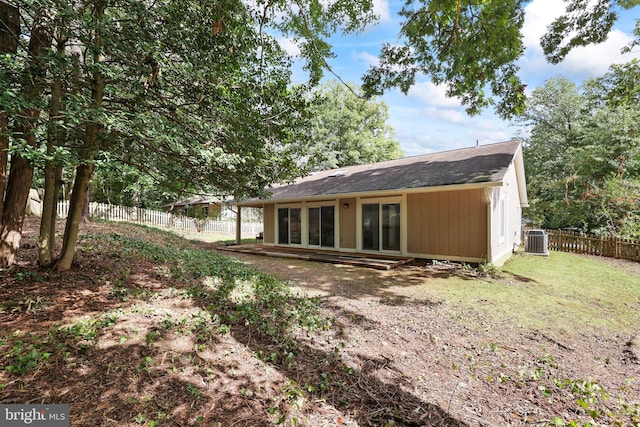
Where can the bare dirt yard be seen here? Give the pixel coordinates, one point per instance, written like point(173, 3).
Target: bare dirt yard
point(150, 329)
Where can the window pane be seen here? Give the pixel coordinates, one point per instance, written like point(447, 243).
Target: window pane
point(295, 226)
point(371, 226)
point(283, 226)
point(327, 231)
point(314, 226)
point(391, 227)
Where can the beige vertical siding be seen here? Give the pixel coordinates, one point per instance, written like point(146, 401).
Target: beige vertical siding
point(447, 224)
point(347, 223)
point(269, 215)
point(510, 192)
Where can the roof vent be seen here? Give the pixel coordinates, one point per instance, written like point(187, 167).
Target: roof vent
point(341, 172)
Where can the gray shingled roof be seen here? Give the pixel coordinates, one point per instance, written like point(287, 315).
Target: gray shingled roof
point(483, 164)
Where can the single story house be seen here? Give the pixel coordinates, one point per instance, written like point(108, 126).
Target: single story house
point(459, 205)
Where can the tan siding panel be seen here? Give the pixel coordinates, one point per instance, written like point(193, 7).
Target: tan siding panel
point(449, 223)
point(454, 223)
point(464, 221)
point(347, 223)
point(441, 223)
point(478, 225)
point(269, 221)
point(413, 223)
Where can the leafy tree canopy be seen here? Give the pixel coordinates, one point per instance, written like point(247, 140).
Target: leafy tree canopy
point(473, 46)
point(346, 129)
point(583, 154)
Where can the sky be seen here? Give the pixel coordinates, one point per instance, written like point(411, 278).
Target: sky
point(425, 120)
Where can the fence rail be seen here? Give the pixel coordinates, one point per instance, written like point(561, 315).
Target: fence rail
point(163, 219)
point(614, 247)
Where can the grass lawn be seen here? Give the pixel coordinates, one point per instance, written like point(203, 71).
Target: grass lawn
point(563, 293)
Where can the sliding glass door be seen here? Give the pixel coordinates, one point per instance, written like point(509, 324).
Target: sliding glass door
point(289, 226)
point(322, 226)
point(381, 226)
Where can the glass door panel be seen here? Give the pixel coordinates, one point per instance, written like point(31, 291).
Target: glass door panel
point(327, 226)
point(322, 226)
point(391, 227)
point(314, 226)
point(289, 226)
point(371, 226)
point(295, 226)
point(283, 226)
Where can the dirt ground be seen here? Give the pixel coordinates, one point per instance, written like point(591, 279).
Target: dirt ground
point(393, 357)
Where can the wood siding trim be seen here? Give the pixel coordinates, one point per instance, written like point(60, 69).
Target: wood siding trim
point(447, 225)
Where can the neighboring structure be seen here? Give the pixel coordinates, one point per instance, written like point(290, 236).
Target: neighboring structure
point(460, 205)
point(198, 206)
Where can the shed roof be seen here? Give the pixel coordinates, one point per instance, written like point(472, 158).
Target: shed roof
point(483, 164)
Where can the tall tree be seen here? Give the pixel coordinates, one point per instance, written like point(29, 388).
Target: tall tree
point(185, 91)
point(347, 129)
point(9, 31)
point(24, 134)
point(583, 154)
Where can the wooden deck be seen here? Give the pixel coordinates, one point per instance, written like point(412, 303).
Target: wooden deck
point(380, 262)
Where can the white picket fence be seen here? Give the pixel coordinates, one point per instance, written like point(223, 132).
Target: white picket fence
point(163, 219)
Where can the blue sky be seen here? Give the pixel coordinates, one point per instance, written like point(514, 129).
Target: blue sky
point(426, 120)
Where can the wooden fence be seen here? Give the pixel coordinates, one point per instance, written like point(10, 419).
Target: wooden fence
point(163, 219)
point(567, 241)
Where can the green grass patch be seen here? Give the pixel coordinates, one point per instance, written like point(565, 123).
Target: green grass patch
point(564, 293)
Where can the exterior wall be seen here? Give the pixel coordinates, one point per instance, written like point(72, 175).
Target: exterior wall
point(502, 246)
point(347, 223)
point(269, 213)
point(458, 225)
point(447, 225)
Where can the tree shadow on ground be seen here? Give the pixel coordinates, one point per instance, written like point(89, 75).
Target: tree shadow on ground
point(371, 389)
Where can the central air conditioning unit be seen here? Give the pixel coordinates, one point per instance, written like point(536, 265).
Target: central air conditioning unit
point(536, 242)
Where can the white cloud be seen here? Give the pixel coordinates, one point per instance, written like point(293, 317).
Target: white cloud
point(539, 14)
point(434, 95)
point(446, 114)
point(582, 62)
point(290, 46)
point(381, 9)
point(366, 58)
point(594, 60)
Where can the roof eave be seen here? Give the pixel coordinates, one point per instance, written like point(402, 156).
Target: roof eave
point(371, 194)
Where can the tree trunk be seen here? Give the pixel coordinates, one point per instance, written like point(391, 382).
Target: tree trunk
point(9, 30)
point(15, 204)
point(48, 218)
point(46, 241)
point(21, 171)
point(86, 215)
point(87, 153)
point(72, 228)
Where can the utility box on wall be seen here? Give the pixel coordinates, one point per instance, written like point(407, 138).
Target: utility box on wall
point(536, 242)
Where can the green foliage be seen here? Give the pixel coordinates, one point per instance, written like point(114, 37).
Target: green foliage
point(25, 356)
point(583, 156)
point(583, 23)
point(347, 129)
point(469, 46)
